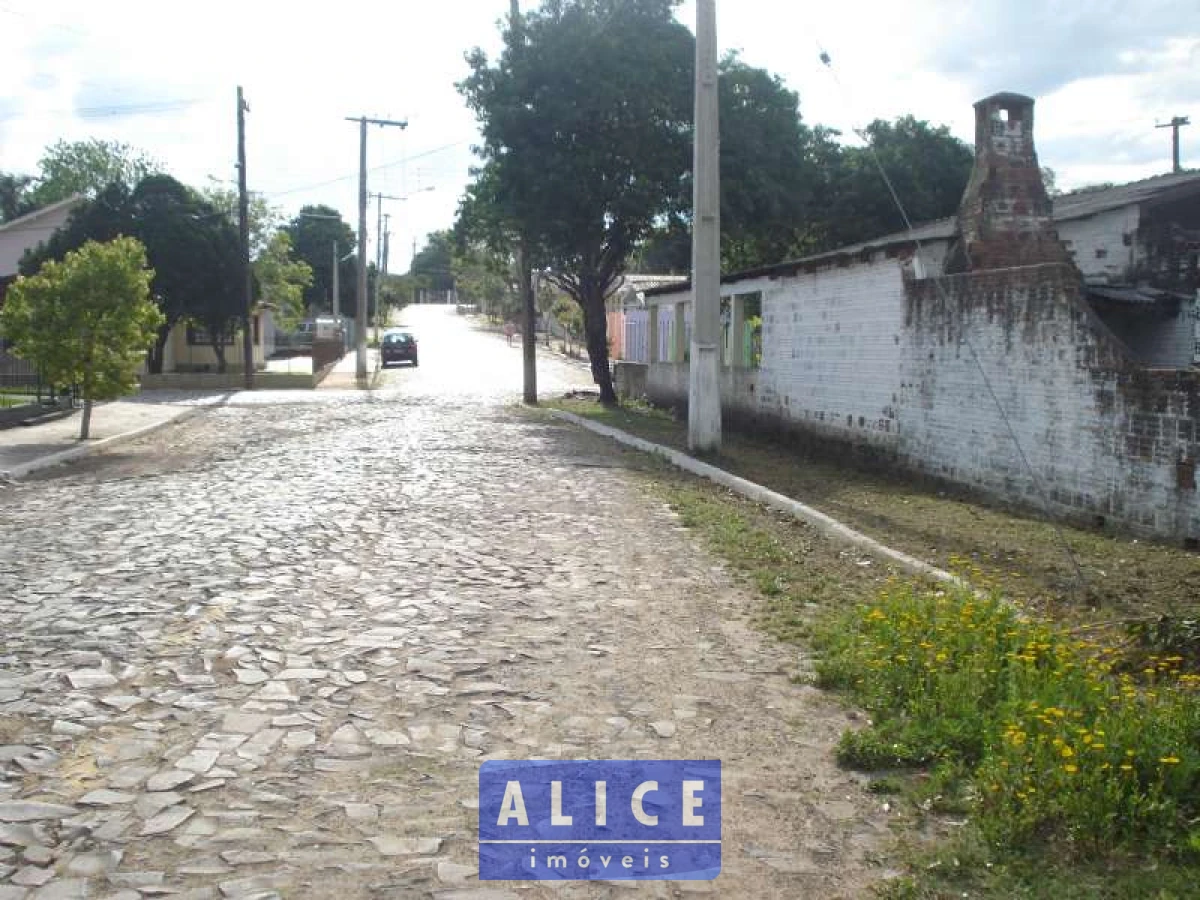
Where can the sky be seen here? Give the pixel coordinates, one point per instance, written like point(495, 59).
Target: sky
point(1104, 74)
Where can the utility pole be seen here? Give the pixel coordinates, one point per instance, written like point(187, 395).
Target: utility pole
point(524, 275)
point(244, 233)
point(411, 262)
point(704, 388)
point(1175, 124)
point(381, 266)
point(336, 306)
point(360, 331)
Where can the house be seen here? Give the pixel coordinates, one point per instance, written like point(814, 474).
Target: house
point(187, 349)
point(626, 311)
point(26, 232)
point(1040, 352)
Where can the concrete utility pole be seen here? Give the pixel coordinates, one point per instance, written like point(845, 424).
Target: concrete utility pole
point(244, 233)
point(381, 266)
point(336, 305)
point(704, 389)
point(524, 275)
point(360, 331)
point(1175, 124)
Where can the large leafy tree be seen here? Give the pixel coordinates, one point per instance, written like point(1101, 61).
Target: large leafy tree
point(88, 167)
point(434, 265)
point(313, 233)
point(86, 320)
point(282, 279)
point(585, 120)
point(770, 178)
point(928, 168)
point(196, 253)
point(192, 246)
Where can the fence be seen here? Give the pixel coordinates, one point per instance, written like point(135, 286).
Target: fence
point(22, 389)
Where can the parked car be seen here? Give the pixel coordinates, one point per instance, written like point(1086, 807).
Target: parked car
point(396, 347)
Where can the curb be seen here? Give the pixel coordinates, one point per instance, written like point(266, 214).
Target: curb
point(827, 525)
point(64, 456)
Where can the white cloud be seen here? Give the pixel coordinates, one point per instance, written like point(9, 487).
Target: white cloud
point(75, 69)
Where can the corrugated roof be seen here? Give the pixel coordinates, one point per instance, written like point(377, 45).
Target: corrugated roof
point(1133, 296)
point(1077, 205)
point(1080, 204)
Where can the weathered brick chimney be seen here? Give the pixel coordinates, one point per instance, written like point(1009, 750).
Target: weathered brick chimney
point(1004, 219)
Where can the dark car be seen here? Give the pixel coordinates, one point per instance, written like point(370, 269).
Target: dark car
point(397, 347)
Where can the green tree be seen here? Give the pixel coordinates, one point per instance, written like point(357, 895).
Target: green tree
point(434, 263)
point(485, 279)
point(88, 167)
point(102, 219)
point(14, 196)
point(282, 279)
point(585, 120)
point(265, 219)
point(87, 320)
point(313, 233)
point(770, 179)
point(195, 251)
point(928, 168)
point(193, 247)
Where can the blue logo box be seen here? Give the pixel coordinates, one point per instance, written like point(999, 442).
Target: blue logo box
point(611, 820)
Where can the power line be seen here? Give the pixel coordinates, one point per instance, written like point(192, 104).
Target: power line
point(941, 289)
point(116, 111)
point(398, 162)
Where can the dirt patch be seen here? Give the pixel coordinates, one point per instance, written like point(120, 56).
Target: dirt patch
point(1024, 556)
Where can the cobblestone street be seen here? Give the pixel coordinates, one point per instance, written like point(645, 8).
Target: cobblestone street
point(263, 653)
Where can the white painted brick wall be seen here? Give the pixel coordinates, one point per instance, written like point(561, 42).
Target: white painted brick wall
point(831, 350)
point(1092, 458)
point(1097, 243)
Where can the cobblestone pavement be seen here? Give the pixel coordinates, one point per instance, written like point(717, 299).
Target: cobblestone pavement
point(263, 653)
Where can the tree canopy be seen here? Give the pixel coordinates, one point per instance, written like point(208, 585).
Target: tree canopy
point(193, 248)
point(434, 263)
point(927, 165)
point(313, 233)
point(87, 167)
point(585, 121)
point(86, 320)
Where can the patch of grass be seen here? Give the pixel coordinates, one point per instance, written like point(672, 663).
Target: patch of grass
point(967, 867)
point(1054, 746)
point(796, 570)
point(948, 678)
point(1021, 554)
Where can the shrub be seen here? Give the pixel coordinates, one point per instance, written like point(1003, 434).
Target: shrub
point(1062, 745)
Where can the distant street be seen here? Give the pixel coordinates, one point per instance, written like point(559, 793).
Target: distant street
point(263, 653)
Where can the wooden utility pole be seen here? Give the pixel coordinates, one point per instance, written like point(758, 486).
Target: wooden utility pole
point(704, 387)
point(524, 275)
point(360, 328)
point(244, 234)
point(1175, 124)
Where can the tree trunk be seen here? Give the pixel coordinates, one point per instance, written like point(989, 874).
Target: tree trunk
point(595, 326)
point(528, 321)
point(219, 350)
point(85, 423)
point(154, 361)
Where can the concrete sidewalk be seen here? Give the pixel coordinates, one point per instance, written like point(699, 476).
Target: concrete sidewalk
point(27, 448)
point(345, 374)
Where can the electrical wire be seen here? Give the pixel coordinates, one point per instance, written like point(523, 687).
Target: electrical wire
point(939, 284)
point(380, 167)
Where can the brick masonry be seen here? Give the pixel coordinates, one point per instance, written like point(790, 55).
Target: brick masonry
point(872, 358)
